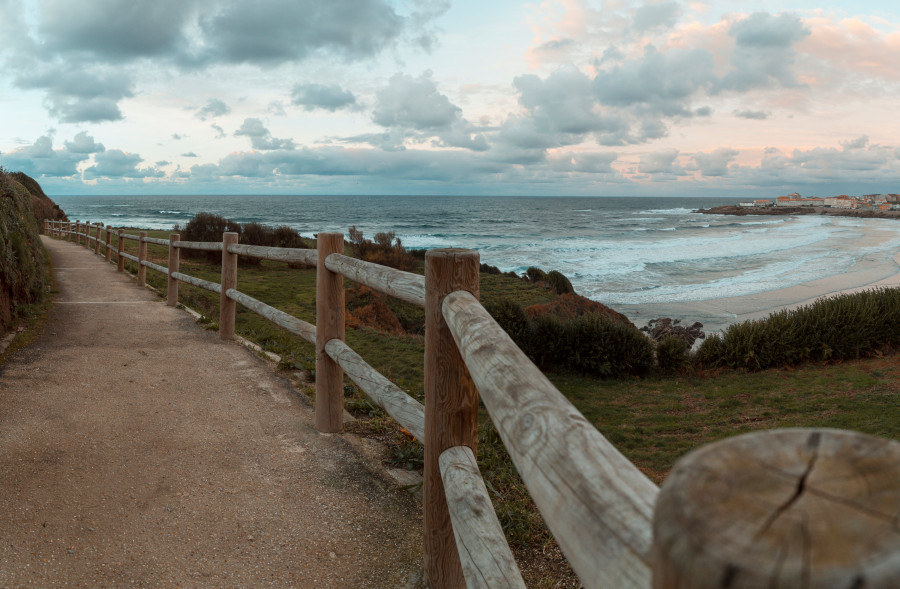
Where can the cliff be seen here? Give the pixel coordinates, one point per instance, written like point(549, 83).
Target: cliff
point(24, 267)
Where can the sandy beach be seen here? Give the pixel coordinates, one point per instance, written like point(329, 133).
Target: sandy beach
point(717, 314)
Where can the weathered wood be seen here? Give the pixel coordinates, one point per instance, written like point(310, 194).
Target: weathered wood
point(156, 240)
point(157, 267)
point(487, 561)
point(120, 248)
point(597, 504)
point(405, 286)
point(280, 318)
point(205, 246)
point(126, 256)
point(69, 231)
point(97, 240)
point(142, 257)
point(227, 308)
point(132, 237)
point(783, 508)
point(451, 407)
point(277, 254)
point(329, 326)
point(199, 282)
point(77, 232)
point(174, 264)
point(108, 241)
point(408, 412)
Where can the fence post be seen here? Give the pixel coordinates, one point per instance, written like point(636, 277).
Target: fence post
point(108, 241)
point(810, 508)
point(120, 247)
point(97, 243)
point(77, 231)
point(329, 326)
point(69, 230)
point(142, 255)
point(227, 307)
point(451, 407)
point(174, 263)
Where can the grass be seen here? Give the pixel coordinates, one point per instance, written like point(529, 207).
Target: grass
point(653, 420)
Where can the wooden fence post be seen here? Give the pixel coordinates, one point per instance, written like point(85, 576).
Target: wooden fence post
point(108, 241)
point(77, 231)
point(120, 247)
point(87, 233)
point(142, 255)
point(69, 229)
point(227, 307)
point(174, 263)
point(329, 326)
point(451, 407)
point(809, 508)
point(97, 243)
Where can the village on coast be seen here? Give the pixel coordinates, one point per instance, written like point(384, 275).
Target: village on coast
point(882, 202)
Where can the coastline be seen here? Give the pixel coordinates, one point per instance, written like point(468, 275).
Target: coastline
point(717, 314)
point(787, 211)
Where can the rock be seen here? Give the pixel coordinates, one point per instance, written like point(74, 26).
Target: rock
point(659, 329)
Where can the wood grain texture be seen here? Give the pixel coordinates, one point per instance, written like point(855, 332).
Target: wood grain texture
point(97, 240)
point(810, 508)
point(296, 326)
point(174, 265)
point(155, 240)
point(598, 505)
point(329, 325)
point(157, 267)
point(142, 257)
point(131, 237)
point(408, 412)
point(405, 286)
point(120, 248)
point(227, 308)
point(487, 561)
point(69, 231)
point(204, 246)
point(277, 254)
point(108, 242)
point(199, 282)
point(451, 407)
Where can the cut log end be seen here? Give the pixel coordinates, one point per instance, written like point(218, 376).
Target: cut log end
point(784, 508)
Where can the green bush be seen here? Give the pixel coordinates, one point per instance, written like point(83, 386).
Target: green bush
point(534, 274)
point(671, 354)
point(559, 283)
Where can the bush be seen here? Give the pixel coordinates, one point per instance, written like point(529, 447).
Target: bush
point(533, 274)
point(207, 227)
point(385, 249)
point(671, 354)
point(559, 283)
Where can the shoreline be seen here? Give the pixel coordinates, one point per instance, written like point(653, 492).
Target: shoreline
point(718, 314)
point(739, 211)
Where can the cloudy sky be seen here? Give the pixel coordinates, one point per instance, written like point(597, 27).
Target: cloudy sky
point(561, 97)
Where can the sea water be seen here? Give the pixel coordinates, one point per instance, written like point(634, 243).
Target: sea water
point(623, 252)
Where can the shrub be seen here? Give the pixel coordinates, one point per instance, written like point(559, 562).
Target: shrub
point(534, 274)
point(385, 249)
point(671, 354)
point(488, 269)
point(559, 283)
point(207, 227)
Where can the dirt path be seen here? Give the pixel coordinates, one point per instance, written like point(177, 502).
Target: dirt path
point(136, 449)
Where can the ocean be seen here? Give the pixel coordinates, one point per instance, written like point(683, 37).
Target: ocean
point(624, 252)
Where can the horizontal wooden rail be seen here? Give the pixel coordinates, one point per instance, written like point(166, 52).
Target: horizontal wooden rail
point(130, 257)
point(296, 326)
point(486, 558)
point(277, 254)
point(157, 241)
point(597, 504)
point(156, 267)
point(206, 246)
point(130, 236)
point(405, 286)
point(199, 282)
point(405, 410)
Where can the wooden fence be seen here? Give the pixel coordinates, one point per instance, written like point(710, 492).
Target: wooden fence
point(756, 510)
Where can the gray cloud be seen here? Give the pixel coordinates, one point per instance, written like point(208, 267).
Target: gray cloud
point(162, 163)
point(220, 132)
point(75, 96)
point(213, 108)
point(659, 162)
point(716, 162)
point(84, 143)
point(115, 163)
point(759, 115)
point(177, 137)
point(764, 51)
point(584, 162)
point(414, 103)
point(858, 143)
point(650, 16)
point(332, 98)
point(40, 159)
point(260, 137)
point(189, 154)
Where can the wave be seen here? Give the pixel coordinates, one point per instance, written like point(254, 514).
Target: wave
point(678, 211)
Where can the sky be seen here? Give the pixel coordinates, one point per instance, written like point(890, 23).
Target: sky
point(499, 97)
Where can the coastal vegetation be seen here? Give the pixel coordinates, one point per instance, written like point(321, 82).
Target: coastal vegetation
point(24, 267)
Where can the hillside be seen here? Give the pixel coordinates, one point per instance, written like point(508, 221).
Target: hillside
point(24, 269)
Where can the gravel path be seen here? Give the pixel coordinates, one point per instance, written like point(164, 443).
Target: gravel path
point(136, 449)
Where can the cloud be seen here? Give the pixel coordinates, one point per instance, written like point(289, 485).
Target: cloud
point(220, 132)
point(40, 159)
point(413, 103)
point(332, 98)
point(115, 163)
point(859, 143)
point(189, 154)
point(584, 162)
point(177, 137)
point(162, 163)
point(79, 95)
point(278, 31)
point(213, 108)
point(84, 143)
point(758, 115)
point(764, 51)
point(659, 162)
point(651, 16)
point(716, 162)
point(260, 137)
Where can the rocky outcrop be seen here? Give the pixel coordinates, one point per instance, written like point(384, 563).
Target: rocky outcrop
point(660, 329)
